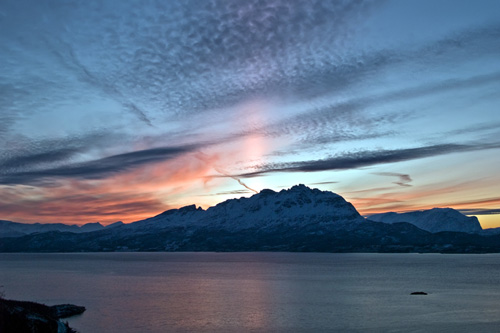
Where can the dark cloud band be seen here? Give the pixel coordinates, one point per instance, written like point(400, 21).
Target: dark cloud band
point(99, 168)
point(367, 158)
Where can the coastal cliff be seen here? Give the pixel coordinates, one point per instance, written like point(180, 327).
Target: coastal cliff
point(28, 317)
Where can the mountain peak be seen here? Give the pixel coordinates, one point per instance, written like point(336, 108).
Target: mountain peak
point(91, 227)
point(267, 191)
point(98, 224)
point(299, 187)
point(188, 209)
point(182, 210)
point(116, 224)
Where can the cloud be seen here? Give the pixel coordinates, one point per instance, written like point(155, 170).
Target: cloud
point(333, 123)
point(24, 154)
point(370, 190)
point(324, 183)
point(439, 87)
point(477, 128)
point(487, 201)
point(38, 158)
point(102, 84)
point(480, 211)
point(192, 56)
point(6, 121)
point(99, 168)
point(223, 172)
point(355, 160)
point(230, 193)
point(170, 60)
point(404, 179)
point(86, 207)
point(348, 121)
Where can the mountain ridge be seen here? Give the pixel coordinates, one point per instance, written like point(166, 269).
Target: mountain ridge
point(295, 219)
point(17, 229)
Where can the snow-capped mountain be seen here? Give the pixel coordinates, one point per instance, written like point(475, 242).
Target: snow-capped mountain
point(296, 206)
point(433, 220)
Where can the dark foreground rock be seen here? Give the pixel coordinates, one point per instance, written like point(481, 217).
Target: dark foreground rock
point(28, 317)
point(66, 310)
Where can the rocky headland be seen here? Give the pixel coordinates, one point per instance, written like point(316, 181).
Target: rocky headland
point(30, 317)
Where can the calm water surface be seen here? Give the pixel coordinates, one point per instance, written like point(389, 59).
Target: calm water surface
point(263, 292)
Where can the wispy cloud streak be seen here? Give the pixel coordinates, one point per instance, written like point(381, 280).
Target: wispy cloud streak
point(368, 158)
point(404, 179)
point(97, 169)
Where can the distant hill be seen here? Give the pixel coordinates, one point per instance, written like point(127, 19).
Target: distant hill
point(16, 229)
point(297, 219)
point(433, 220)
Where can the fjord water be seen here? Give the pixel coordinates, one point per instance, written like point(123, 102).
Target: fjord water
point(263, 292)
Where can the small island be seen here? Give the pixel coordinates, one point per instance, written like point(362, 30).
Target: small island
point(22, 316)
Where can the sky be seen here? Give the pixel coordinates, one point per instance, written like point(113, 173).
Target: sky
point(120, 110)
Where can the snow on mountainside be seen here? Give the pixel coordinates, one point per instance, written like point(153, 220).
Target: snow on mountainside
point(433, 220)
point(295, 206)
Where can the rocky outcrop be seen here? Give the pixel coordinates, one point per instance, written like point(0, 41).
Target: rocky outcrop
point(66, 310)
point(29, 317)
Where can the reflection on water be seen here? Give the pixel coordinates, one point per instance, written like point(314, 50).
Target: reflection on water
point(220, 301)
point(262, 292)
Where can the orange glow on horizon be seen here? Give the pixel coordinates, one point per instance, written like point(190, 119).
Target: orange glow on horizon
point(128, 197)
